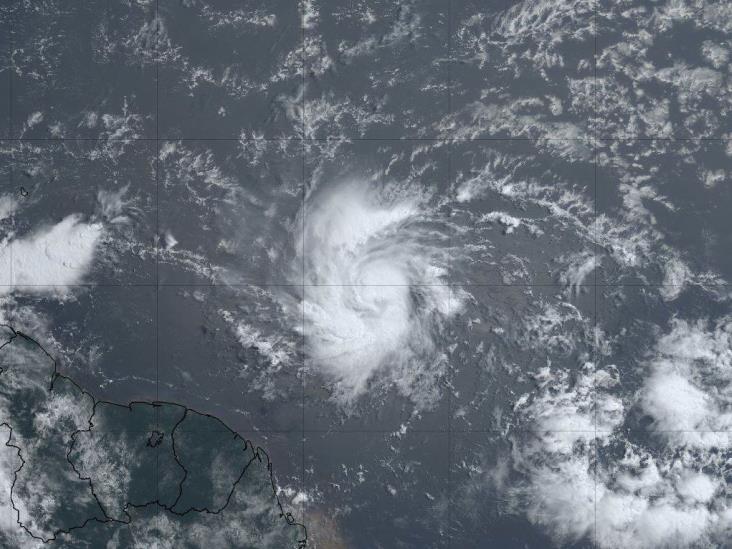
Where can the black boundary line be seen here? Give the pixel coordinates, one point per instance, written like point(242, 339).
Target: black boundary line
point(258, 453)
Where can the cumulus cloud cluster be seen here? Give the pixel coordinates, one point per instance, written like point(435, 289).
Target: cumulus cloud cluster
point(689, 387)
point(57, 255)
point(586, 476)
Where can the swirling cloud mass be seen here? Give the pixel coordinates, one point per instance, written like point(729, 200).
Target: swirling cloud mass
point(376, 291)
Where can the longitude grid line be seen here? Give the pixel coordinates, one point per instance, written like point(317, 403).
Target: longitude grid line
point(11, 46)
point(11, 101)
point(157, 262)
point(449, 281)
point(594, 256)
point(302, 304)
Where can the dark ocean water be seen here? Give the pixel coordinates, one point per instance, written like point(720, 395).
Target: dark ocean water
point(460, 268)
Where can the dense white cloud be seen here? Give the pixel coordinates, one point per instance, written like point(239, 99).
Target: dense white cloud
point(366, 249)
point(58, 255)
point(690, 383)
point(673, 495)
point(8, 205)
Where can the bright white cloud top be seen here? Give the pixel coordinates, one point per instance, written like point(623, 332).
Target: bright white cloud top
point(51, 257)
point(664, 489)
point(375, 288)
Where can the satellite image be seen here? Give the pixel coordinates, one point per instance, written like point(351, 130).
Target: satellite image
point(365, 274)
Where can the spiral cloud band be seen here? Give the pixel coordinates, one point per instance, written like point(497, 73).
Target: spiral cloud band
point(375, 288)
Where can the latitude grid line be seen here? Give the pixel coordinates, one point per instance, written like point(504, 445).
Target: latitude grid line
point(445, 140)
point(458, 285)
point(454, 285)
point(594, 139)
point(442, 431)
point(266, 432)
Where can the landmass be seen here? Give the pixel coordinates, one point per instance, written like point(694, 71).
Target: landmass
point(124, 475)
